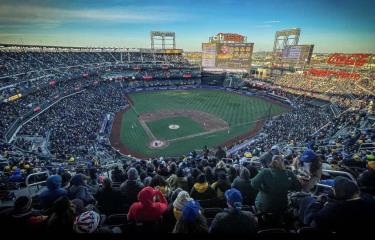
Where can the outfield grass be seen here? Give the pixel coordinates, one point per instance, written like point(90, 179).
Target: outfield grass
point(160, 128)
point(239, 111)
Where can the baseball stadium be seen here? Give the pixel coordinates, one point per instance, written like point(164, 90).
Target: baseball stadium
point(122, 118)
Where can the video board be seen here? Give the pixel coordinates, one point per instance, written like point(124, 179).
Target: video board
point(234, 55)
point(297, 53)
point(208, 54)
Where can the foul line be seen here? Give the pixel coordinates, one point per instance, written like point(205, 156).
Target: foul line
point(147, 129)
point(198, 134)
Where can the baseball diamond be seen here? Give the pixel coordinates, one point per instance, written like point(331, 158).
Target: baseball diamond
point(203, 116)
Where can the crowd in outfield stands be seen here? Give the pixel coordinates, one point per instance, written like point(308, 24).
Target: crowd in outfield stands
point(282, 181)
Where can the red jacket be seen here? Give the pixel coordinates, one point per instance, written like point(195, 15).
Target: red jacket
point(147, 209)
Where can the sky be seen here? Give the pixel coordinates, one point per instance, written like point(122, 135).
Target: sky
point(346, 26)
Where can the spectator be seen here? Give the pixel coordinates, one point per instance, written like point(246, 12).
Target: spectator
point(53, 192)
point(78, 189)
point(24, 217)
point(233, 220)
point(61, 219)
point(349, 211)
point(117, 175)
point(310, 172)
point(273, 184)
point(243, 184)
point(366, 182)
point(146, 209)
point(108, 199)
point(90, 222)
point(182, 181)
point(266, 158)
point(192, 221)
point(17, 176)
point(220, 186)
point(178, 205)
point(220, 153)
point(158, 182)
point(65, 180)
point(201, 190)
point(131, 187)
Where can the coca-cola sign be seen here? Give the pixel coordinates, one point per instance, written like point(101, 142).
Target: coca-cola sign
point(357, 60)
point(330, 73)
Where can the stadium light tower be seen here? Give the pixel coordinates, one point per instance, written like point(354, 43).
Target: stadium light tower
point(283, 39)
point(163, 40)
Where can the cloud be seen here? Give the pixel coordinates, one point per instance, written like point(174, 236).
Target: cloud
point(32, 14)
point(263, 26)
point(273, 21)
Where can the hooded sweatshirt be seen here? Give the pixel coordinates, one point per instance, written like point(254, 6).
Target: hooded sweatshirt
point(79, 190)
point(146, 209)
point(53, 191)
point(201, 191)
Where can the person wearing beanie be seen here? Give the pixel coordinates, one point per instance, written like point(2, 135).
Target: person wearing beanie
point(53, 191)
point(182, 198)
point(243, 184)
point(147, 209)
point(192, 221)
point(347, 212)
point(233, 220)
point(78, 189)
point(169, 219)
point(273, 184)
point(147, 181)
point(117, 175)
point(108, 199)
point(23, 216)
point(131, 187)
point(89, 222)
point(182, 180)
point(201, 190)
point(266, 157)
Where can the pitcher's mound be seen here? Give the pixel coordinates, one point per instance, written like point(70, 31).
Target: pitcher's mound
point(174, 126)
point(158, 144)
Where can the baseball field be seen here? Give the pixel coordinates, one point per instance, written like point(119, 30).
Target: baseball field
point(175, 122)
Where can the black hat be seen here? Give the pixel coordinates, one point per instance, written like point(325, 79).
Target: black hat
point(202, 178)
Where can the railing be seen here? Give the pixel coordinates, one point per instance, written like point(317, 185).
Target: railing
point(37, 184)
point(340, 173)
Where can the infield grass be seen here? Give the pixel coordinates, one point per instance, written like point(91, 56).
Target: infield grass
point(160, 128)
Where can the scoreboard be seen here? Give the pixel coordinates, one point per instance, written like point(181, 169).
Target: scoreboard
point(234, 55)
point(297, 54)
point(208, 54)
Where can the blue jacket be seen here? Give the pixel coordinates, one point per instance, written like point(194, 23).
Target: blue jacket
point(53, 191)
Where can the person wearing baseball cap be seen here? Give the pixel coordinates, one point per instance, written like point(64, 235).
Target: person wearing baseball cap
point(233, 220)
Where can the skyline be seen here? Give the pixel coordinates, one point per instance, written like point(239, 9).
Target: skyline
point(335, 26)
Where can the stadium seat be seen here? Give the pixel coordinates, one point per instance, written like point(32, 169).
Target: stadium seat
point(116, 219)
point(211, 212)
